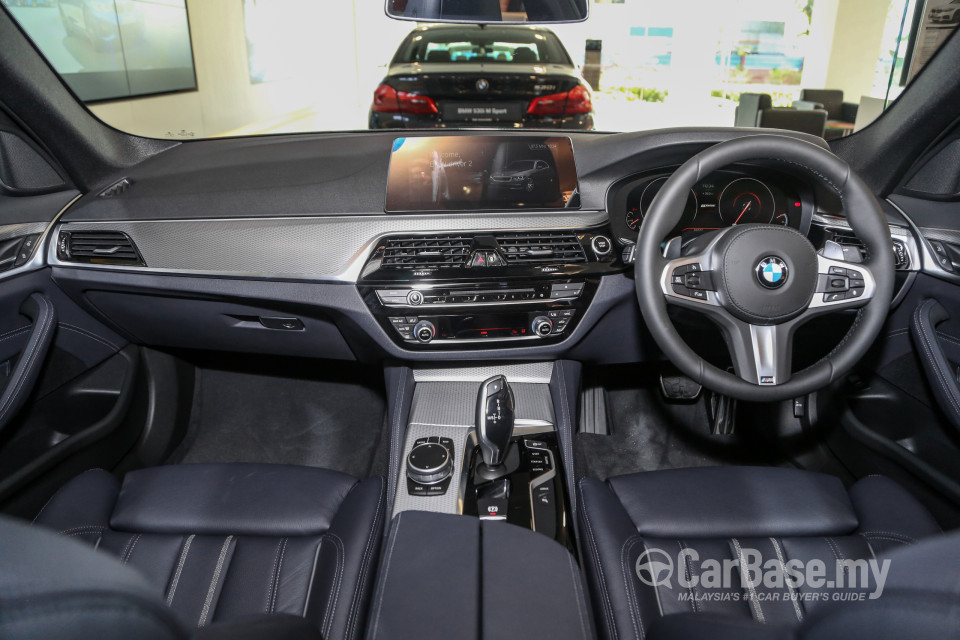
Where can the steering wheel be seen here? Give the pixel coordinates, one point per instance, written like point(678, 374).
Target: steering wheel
point(759, 282)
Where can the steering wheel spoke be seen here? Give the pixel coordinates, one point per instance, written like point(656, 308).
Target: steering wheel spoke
point(762, 354)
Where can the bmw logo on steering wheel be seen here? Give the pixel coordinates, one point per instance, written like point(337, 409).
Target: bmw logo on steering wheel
point(772, 272)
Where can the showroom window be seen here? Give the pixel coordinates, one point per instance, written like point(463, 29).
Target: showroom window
point(108, 49)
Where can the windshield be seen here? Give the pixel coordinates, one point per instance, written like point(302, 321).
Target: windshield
point(211, 68)
point(476, 45)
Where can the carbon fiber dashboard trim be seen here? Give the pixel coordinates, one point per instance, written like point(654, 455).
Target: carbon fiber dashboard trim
point(329, 248)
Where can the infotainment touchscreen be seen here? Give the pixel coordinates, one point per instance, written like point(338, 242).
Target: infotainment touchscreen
point(457, 173)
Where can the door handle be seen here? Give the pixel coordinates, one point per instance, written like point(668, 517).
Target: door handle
point(39, 308)
point(938, 370)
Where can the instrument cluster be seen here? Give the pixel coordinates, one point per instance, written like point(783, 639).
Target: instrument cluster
point(720, 200)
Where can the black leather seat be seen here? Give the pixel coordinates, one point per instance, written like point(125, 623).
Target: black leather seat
point(221, 542)
point(718, 513)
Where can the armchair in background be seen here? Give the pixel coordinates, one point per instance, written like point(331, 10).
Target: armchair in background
point(757, 110)
point(841, 115)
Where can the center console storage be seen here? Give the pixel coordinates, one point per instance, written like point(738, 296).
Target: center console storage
point(447, 576)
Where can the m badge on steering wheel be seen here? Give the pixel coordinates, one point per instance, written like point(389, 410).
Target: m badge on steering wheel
point(772, 272)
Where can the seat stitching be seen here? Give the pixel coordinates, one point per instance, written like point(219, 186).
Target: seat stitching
point(905, 537)
point(132, 545)
point(88, 528)
point(83, 533)
point(688, 569)
point(578, 594)
point(635, 616)
point(338, 574)
point(277, 567)
point(786, 580)
point(608, 607)
point(272, 585)
point(352, 620)
point(383, 579)
point(754, 600)
point(887, 538)
point(214, 581)
point(179, 571)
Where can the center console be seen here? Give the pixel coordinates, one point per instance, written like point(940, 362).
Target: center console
point(449, 291)
point(481, 508)
point(484, 442)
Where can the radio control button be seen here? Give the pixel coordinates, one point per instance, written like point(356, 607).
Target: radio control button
point(414, 297)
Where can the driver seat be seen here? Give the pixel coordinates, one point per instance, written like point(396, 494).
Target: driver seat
point(746, 516)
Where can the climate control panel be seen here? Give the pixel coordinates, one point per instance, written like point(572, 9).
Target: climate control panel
point(470, 314)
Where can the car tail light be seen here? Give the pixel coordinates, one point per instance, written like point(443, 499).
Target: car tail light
point(577, 100)
point(389, 100)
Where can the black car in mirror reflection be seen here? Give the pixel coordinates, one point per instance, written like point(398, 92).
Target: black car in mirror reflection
point(491, 76)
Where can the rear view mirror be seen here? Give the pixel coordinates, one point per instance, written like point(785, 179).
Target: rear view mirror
point(488, 11)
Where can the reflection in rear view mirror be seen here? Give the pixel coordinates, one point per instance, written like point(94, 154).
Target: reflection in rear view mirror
point(488, 11)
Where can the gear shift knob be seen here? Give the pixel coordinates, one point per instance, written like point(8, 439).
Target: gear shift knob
point(495, 415)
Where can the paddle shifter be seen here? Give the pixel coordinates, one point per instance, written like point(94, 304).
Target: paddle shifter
point(495, 415)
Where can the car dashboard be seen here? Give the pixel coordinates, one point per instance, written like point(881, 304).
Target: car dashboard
point(285, 246)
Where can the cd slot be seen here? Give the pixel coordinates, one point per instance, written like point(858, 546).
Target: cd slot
point(462, 296)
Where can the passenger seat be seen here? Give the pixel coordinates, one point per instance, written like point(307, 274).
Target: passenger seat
point(220, 542)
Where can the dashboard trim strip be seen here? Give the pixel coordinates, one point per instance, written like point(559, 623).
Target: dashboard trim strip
point(321, 248)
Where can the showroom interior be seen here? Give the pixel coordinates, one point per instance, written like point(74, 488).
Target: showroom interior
point(649, 65)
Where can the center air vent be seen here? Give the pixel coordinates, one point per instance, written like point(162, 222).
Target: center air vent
point(541, 247)
point(426, 252)
point(98, 247)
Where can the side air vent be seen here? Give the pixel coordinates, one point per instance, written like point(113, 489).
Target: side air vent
point(98, 247)
point(116, 188)
point(851, 244)
point(541, 247)
point(426, 252)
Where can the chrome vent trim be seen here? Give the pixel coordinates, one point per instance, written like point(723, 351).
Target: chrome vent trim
point(443, 251)
point(541, 247)
point(98, 247)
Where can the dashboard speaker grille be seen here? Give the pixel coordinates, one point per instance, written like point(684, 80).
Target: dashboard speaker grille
point(426, 252)
point(541, 247)
point(98, 247)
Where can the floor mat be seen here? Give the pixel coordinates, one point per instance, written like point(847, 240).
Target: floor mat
point(246, 417)
point(647, 435)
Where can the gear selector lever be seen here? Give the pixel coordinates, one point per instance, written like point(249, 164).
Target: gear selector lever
point(495, 416)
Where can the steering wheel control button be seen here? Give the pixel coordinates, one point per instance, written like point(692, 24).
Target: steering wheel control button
point(601, 246)
point(772, 272)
